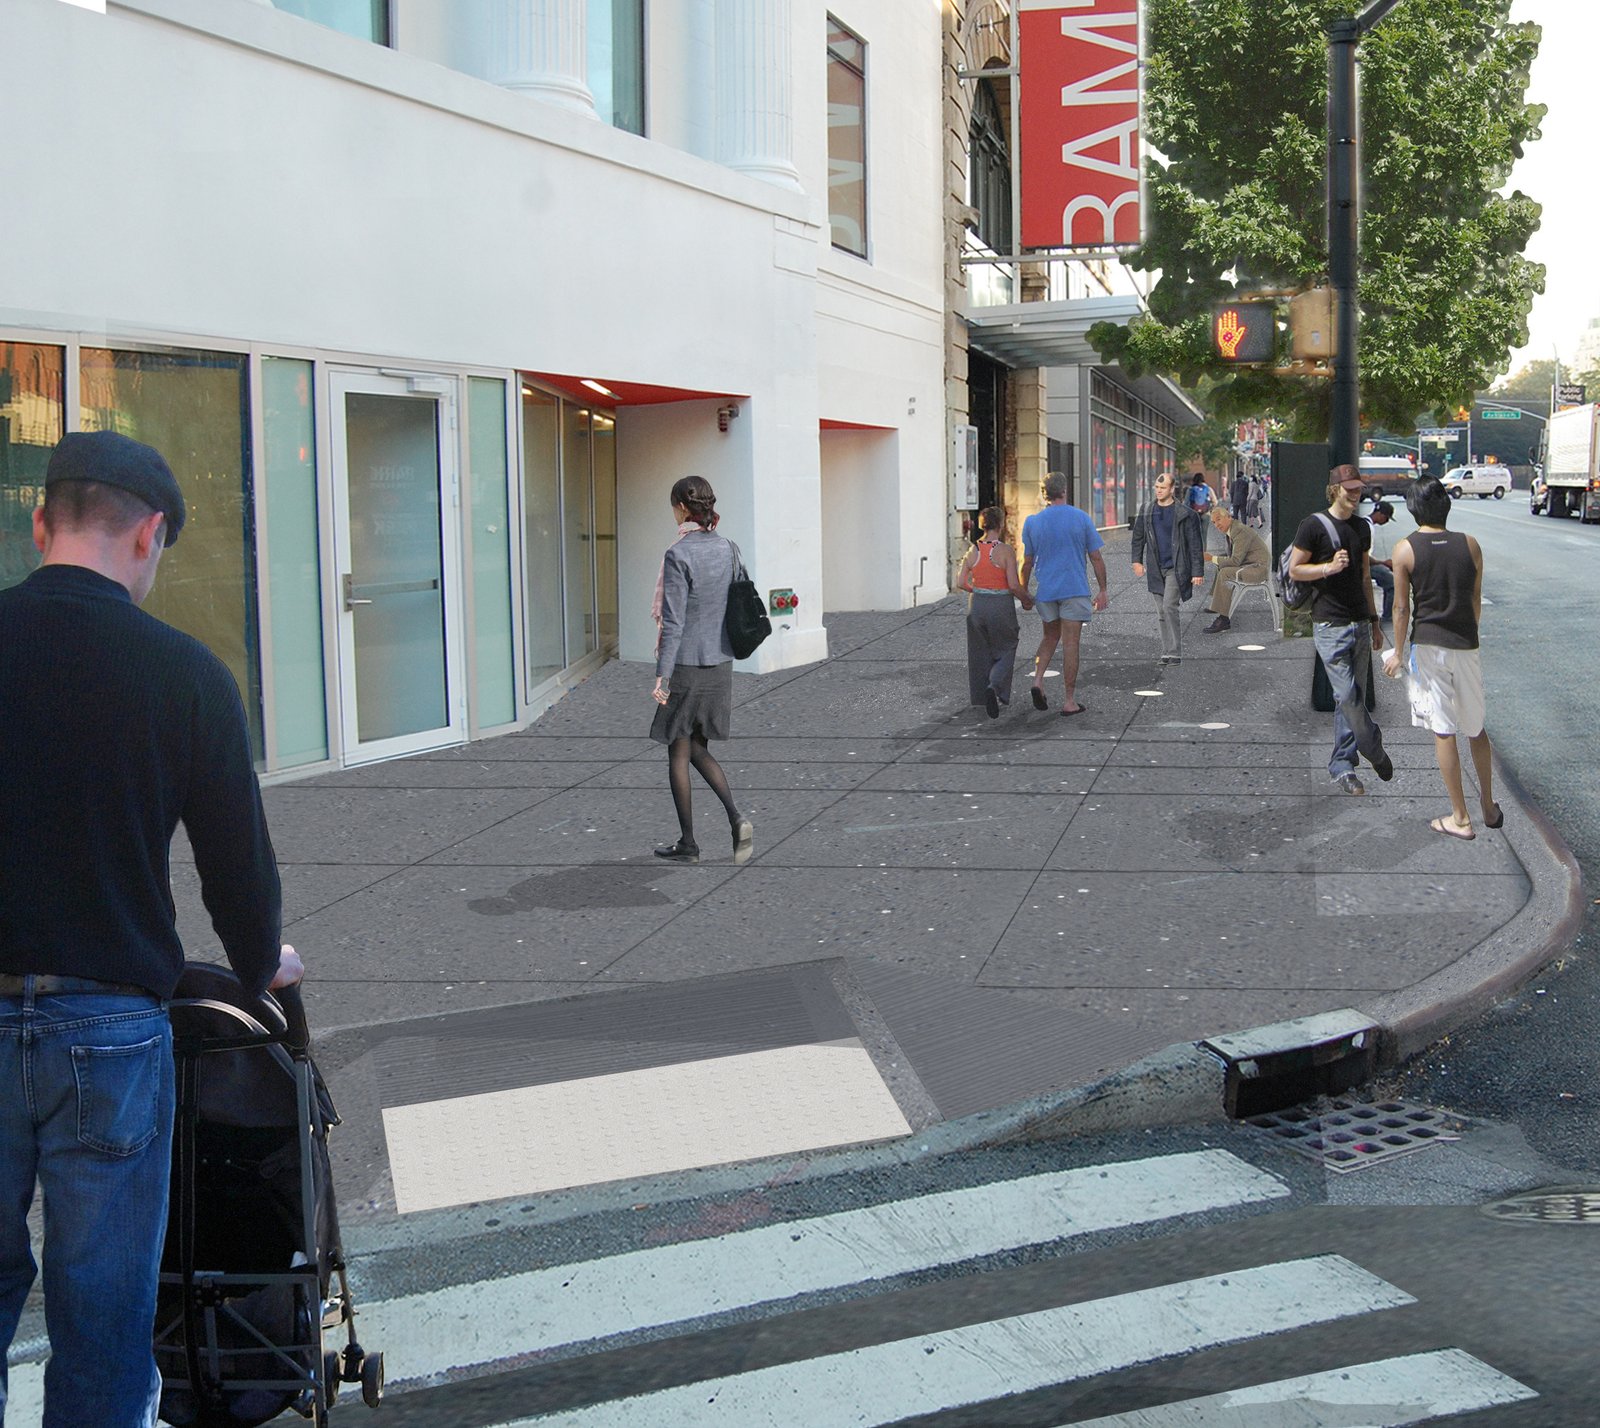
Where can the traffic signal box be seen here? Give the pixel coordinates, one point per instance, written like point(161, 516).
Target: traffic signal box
point(1245, 334)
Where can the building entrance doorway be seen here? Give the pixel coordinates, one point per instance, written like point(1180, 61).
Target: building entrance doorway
point(396, 502)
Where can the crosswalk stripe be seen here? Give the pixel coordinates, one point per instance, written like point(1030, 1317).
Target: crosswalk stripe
point(425, 1335)
point(955, 1368)
point(1389, 1393)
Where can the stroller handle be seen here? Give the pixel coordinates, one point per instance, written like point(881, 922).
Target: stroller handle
point(298, 1036)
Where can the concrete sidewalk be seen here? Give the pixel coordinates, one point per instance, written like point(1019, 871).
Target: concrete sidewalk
point(984, 911)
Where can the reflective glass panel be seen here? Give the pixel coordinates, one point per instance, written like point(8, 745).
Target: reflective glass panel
point(495, 695)
point(192, 407)
point(294, 580)
point(615, 37)
point(365, 19)
point(604, 439)
point(32, 413)
point(847, 139)
point(577, 532)
point(396, 564)
point(541, 514)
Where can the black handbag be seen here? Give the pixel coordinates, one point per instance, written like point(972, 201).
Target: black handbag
point(745, 623)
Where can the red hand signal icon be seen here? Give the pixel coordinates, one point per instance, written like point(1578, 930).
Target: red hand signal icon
point(1230, 333)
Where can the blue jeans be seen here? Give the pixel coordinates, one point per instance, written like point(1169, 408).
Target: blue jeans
point(86, 1106)
point(1383, 578)
point(1346, 652)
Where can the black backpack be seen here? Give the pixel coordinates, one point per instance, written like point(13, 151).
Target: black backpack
point(1296, 594)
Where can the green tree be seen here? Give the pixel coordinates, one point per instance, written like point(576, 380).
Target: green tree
point(1236, 106)
point(1531, 381)
point(1207, 445)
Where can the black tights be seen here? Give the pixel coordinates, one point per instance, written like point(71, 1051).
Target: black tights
point(681, 753)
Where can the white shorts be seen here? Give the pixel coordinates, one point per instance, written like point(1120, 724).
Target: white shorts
point(1446, 690)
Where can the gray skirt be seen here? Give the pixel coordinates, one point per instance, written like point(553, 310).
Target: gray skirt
point(700, 702)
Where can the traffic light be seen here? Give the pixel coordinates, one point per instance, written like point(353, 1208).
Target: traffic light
point(1245, 333)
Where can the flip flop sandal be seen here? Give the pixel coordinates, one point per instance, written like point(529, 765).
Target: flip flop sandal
point(1499, 818)
point(1068, 713)
point(1450, 830)
point(1039, 701)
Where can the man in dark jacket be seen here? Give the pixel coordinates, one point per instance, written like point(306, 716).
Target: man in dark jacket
point(1168, 552)
point(113, 728)
point(1239, 496)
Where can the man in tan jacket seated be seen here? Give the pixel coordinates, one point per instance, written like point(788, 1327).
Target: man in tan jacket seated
point(1246, 563)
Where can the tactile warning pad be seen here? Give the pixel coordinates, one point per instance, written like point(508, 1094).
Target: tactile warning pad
point(528, 1139)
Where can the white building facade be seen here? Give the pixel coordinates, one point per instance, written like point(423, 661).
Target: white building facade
point(429, 302)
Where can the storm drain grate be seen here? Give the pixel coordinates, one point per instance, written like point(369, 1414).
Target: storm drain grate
point(1346, 1135)
point(1549, 1207)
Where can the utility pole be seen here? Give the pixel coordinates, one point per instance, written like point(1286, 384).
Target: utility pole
point(1344, 250)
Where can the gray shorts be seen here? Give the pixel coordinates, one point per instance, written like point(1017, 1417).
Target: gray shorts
point(1078, 607)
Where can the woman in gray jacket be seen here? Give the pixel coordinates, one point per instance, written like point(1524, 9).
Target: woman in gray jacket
point(694, 664)
point(1169, 551)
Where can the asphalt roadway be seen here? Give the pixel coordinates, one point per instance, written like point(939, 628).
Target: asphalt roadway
point(1023, 919)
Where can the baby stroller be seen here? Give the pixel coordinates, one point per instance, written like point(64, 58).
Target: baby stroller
point(252, 1253)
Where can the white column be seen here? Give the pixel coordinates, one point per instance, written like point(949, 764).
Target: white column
point(539, 48)
point(755, 122)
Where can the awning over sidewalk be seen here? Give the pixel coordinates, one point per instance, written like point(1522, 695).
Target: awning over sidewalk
point(1044, 334)
point(1055, 334)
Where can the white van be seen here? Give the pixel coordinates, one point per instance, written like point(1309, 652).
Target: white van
point(1386, 475)
point(1479, 481)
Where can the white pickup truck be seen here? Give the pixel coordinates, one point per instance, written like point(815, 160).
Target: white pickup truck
point(1479, 481)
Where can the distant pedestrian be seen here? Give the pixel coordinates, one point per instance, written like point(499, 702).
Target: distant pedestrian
point(1247, 562)
point(694, 664)
point(1384, 536)
point(1167, 552)
point(1057, 541)
point(1239, 496)
point(1330, 552)
point(989, 573)
point(1200, 498)
point(1252, 512)
point(1438, 576)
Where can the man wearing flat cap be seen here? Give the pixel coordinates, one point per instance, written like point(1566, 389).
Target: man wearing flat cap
point(114, 727)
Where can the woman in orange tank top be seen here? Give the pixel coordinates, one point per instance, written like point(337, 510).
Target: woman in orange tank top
point(989, 575)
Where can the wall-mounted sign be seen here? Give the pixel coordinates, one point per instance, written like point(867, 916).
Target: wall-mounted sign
point(964, 468)
point(1079, 80)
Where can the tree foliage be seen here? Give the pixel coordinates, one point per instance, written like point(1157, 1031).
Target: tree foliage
point(1236, 98)
point(1531, 381)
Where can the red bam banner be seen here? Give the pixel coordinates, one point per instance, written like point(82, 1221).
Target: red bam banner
point(1078, 70)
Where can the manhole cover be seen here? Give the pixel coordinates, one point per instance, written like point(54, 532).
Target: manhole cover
point(1549, 1207)
point(1345, 1135)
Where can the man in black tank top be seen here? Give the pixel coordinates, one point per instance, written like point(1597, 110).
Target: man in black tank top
point(1438, 584)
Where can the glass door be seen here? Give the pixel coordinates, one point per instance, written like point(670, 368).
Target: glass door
point(395, 504)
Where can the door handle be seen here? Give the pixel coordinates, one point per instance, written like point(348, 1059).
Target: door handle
point(350, 598)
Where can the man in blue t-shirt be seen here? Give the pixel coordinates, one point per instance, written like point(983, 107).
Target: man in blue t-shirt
point(1057, 542)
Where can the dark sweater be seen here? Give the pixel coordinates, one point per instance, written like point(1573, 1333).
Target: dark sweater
point(114, 727)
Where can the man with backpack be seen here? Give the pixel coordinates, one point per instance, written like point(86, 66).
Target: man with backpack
point(1331, 553)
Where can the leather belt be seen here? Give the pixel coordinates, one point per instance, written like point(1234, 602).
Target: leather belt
point(14, 984)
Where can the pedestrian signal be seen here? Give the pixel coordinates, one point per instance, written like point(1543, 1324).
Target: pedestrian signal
point(1243, 333)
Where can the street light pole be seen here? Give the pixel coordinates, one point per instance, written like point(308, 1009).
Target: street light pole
point(1343, 197)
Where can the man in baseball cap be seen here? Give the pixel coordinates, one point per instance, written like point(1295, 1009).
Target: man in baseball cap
point(110, 459)
point(117, 728)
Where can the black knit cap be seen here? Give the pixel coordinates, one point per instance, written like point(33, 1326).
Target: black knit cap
point(116, 460)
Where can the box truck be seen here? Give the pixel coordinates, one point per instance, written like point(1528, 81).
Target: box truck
point(1571, 478)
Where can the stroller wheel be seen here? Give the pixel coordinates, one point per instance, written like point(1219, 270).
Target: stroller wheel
point(372, 1380)
point(330, 1377)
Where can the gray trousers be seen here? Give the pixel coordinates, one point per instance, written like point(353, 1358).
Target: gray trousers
point(992, 632)
point(1168, 614)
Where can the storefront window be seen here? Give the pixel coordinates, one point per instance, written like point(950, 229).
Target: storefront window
point(193, 408)
point(495, 656)
point(32, 417)
point(541, 541)
point(578, 530)
point(294, 583)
